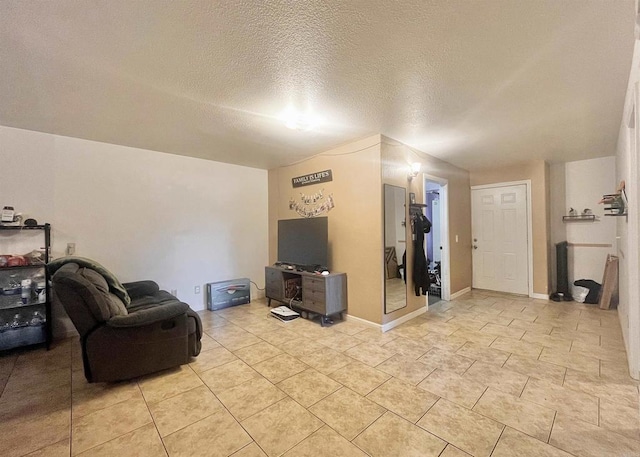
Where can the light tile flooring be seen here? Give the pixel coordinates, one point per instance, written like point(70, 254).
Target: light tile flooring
point(485, 375)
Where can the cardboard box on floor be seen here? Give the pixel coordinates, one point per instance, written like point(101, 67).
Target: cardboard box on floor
point(609, 290)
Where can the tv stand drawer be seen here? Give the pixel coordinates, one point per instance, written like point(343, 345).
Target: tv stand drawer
point(314, 284)
point(315, 295)
point(314, 306)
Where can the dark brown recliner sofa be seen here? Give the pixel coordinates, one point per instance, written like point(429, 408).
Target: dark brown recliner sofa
point(126, 330)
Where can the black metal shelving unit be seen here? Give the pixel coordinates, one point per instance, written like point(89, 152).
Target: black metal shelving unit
point(28, 322)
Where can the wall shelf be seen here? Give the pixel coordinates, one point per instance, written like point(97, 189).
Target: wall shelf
point(5, 226)
point(617, 202)
point(416, 208)
point(580, 218)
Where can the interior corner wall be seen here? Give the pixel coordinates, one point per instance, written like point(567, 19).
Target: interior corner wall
point(557, 209)
point(180, 221)
point(355, 223)
point(589, 242)
point(550, 248)
point(538, 172)
point(396, 160)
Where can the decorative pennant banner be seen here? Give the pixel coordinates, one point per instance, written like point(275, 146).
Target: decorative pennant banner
point(312, 205)
point(312, 178)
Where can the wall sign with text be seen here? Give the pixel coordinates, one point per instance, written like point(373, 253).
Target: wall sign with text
point(312, 178)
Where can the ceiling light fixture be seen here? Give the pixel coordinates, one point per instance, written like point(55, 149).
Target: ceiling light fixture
point(296, 120)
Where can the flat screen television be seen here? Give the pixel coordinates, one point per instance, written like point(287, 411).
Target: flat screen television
point(303, 242)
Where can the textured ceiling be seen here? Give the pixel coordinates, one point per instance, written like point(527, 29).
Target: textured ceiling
point(474, 83)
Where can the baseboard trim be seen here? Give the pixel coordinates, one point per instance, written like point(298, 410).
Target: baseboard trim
point(401, 320)
point(540, 296)
point(359, 320)
point(460, 293)
point(389, 325)
point(633, 371)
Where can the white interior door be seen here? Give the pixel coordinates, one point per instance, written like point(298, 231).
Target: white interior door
point(500, 242)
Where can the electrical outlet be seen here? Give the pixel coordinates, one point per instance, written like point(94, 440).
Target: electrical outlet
point(174, 292)
point(456, 238)
point(71, 248)
point(196, 289)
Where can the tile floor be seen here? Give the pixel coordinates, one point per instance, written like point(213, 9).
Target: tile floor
point(485, 375)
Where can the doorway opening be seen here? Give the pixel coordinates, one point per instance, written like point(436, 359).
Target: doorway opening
point(436, 241)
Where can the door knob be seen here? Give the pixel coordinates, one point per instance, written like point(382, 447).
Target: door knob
point(475, 247)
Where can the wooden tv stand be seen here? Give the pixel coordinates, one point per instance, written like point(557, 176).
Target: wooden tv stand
point(320, 294)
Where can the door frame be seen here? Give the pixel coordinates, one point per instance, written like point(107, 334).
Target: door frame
point(445, 270)
point(527, 183)
point(633, 233)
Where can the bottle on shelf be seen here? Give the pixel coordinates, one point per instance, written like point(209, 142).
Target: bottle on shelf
point(41, 291)
point(13, 286)
point(26, 291)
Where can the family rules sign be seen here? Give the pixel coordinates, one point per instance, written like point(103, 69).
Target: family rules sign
point(312, 178)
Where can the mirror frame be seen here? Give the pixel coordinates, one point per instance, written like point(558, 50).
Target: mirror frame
point(395, 189)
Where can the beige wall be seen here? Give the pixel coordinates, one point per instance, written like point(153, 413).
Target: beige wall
point(538, 173)
point(355, 224)
point(395, 167)
point(396, 159)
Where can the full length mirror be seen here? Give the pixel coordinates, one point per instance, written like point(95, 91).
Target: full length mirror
point(395, 288)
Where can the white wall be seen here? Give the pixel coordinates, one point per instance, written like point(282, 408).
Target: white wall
point(628, 229)
point(557, 209)
point(180, 221)
point(436, 221)
point(624, 242)
point(585, 183)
